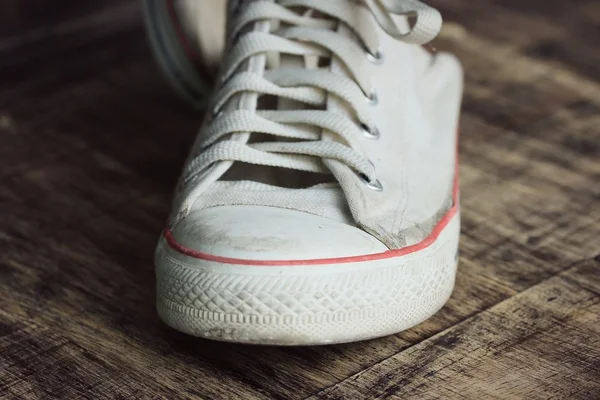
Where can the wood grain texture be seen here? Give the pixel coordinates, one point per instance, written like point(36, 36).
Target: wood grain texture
point(91, 143)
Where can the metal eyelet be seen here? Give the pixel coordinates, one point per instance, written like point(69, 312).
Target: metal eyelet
point(375, 186)
point(372, 97)
point(376, 58)
point(370, 132)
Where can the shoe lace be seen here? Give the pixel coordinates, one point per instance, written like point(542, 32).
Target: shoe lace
point(301, 144)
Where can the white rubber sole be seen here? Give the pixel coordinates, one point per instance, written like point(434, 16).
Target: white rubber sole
point(305, 305)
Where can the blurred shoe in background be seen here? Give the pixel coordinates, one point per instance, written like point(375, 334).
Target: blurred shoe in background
point(187, 39)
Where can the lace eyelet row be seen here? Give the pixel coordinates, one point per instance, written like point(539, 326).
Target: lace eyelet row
point(372, 132)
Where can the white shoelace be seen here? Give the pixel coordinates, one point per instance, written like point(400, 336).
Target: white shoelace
point(308, 36)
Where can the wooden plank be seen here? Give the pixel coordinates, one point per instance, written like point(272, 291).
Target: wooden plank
point(41, 363)
point(539, 344)
point(38, 29)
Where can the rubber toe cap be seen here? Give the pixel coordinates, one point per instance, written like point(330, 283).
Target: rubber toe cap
point(268, 233)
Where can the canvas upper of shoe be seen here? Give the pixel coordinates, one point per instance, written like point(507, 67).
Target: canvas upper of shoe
point(327, 108)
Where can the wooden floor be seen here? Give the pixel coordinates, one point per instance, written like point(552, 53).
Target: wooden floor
point(91, 143)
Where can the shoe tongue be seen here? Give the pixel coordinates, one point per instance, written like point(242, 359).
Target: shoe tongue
point(280, 187)
point(289, 61)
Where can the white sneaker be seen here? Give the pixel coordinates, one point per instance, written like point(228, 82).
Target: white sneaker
point(187, 38)
point(319, 203)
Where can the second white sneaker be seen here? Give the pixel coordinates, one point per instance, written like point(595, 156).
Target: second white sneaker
point(319, 203)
